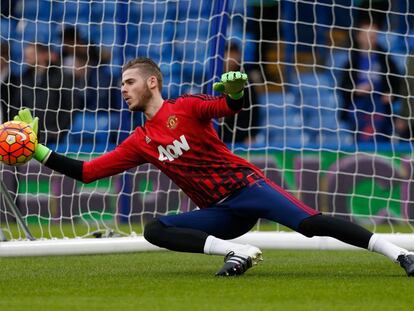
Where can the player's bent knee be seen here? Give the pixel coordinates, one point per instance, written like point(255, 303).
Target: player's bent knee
point(154, 231)
point(306, 227)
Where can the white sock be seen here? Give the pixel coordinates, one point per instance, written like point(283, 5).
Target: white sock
point(380, 245)
point(216, 246)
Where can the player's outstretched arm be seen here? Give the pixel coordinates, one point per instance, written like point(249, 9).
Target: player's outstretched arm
point(122, 158)
point(232, 83)
point(57, 162)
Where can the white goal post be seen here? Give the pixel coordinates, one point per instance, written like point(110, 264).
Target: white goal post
point(263, 240)
point(296, 55)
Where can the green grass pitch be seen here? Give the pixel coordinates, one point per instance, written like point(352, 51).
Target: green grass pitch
point(286, 280)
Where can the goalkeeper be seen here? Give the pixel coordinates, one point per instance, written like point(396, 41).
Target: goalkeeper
point(232, 194)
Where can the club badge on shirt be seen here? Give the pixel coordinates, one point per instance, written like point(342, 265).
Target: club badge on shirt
point(172, 122)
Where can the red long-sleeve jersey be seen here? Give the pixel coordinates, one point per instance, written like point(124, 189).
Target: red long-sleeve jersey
point(180, 140)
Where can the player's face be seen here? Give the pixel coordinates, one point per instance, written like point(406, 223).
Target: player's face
point(367, 36)
point(232, 60)
point(30, 54)
point(135, 90)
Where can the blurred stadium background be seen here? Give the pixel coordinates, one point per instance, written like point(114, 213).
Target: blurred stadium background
point(296, 50)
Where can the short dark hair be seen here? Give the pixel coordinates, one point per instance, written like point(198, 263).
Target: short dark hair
point(366, 21)
point(147, 68)
point(232, 47)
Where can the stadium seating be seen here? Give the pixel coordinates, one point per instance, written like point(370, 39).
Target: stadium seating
point(280, 121)
point(34, 10)
point(8, 32)
point(314, 97)
point(193, 9)
point(92, 130)
point(7, 28)
point(306, 113)
point(172, 79)
point(154, 41)
point(336, 61)
point(397, 46)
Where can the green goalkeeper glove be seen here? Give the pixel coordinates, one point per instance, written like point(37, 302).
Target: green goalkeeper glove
point(42, 152)
point(232, 83)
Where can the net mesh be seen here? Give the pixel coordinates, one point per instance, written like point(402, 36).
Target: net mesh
point(329, 114)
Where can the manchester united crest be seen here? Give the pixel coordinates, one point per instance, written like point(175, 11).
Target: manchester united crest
point(172, 122)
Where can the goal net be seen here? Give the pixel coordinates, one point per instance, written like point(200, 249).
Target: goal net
point(329, 114)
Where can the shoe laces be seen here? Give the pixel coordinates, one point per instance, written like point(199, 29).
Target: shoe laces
point(229, 254)
point(241, 263)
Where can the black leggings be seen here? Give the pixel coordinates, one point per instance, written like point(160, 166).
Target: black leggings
point(191, 240)
point(343, 230)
